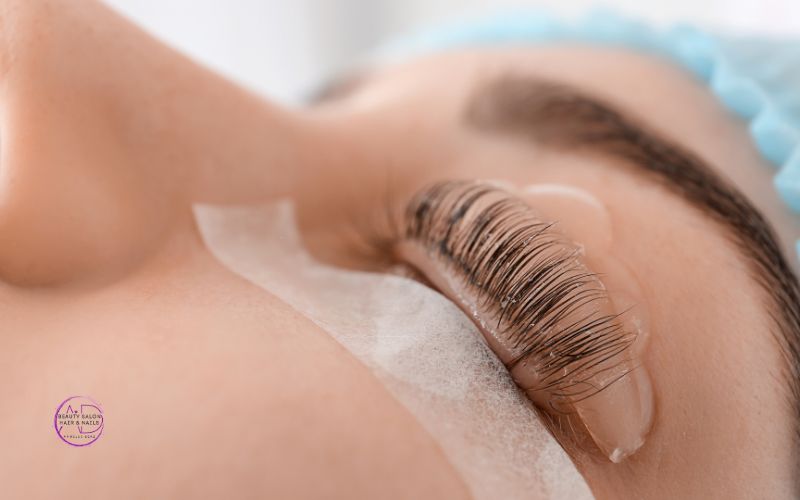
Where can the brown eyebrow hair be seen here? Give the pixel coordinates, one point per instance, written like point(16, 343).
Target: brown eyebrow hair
point(557, 116)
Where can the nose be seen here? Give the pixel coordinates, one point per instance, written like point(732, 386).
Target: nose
point(107, 137)
point(73, 199)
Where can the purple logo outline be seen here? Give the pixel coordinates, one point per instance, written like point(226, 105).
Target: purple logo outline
point(94, 405)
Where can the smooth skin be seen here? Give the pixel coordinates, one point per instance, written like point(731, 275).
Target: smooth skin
point(212, 386)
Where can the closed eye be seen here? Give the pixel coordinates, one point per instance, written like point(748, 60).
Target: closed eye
point(546, 316)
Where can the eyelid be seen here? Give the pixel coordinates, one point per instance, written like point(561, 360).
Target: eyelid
point(541, 310)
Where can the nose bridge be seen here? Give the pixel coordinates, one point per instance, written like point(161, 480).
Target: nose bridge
point(107, 137)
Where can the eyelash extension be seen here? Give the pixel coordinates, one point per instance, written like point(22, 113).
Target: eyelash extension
point(528, 283)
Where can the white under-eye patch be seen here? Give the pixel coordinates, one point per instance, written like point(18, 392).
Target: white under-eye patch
point(419, 345)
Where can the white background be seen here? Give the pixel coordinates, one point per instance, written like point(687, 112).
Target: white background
point(281, 48)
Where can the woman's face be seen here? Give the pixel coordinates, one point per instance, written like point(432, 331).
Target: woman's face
point(665, 238)
point(618, 159)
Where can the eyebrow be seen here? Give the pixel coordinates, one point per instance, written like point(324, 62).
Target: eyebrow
point(558, 116)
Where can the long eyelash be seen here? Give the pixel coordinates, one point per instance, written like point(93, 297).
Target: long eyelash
point(524, 276)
